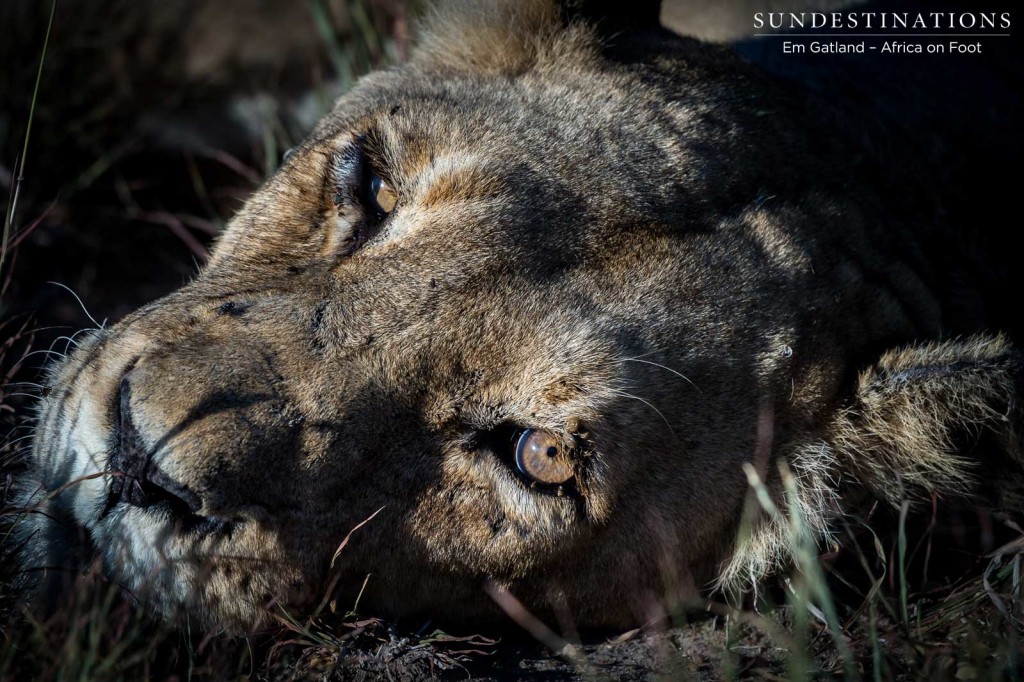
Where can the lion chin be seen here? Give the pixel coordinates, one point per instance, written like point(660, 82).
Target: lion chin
point(533, 314)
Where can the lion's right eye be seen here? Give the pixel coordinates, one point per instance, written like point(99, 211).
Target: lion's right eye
point(541, 456)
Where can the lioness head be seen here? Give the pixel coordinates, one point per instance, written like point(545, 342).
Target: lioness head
point(517, 313)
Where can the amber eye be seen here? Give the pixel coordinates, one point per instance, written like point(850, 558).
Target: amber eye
point(542, 457)
point(382, 197)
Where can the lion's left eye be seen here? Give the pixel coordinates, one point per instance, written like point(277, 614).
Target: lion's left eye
point(542, 457)
point(381, 195)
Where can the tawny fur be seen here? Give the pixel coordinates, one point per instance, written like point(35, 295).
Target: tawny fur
point(500, 38)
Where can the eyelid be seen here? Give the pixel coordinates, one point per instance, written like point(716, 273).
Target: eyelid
point(345, 170)
point(352, 166)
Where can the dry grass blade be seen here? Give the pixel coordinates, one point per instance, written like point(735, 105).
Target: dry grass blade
point(12, 205)
point(536, 627)
point(348, 537)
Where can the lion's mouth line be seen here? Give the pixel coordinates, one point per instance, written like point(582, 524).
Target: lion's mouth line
point(157, 493)
point(175, 511)
point(138, 482)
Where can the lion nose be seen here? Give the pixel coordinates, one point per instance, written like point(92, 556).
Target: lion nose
point(137, 480)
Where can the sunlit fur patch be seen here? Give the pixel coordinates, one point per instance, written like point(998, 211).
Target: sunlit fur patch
point(454, 179)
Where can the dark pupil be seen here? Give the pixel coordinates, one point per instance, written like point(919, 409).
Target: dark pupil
point(374, 186)
point(552, 451)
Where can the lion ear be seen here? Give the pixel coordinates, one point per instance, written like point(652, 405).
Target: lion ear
point(509, 36)
point(941, 418)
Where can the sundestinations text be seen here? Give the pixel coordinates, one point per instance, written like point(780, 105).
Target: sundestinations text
point(884, 21)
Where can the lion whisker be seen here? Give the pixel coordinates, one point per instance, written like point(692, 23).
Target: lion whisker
point(666, 368)
point(24, 383)
point(638, 398)
point(84, 309)
point(35, 396)
point(71, 339)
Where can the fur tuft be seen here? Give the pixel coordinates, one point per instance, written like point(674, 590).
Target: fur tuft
point(501, 37)
point(918, 411)
point(924, 421)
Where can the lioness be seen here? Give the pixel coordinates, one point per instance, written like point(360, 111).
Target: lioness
point(532, 311)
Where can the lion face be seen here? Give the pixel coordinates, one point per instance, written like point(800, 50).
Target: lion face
point(514, 323)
